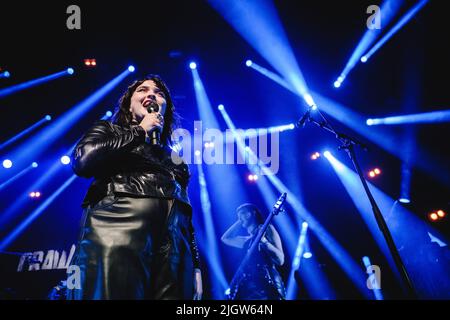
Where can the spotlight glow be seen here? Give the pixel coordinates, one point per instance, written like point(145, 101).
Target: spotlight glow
point(48, 117)
point(363, 59)
point(305, 224)
point(197, 153)
point(327, 154)
point(220, 107)
point(372, 174)
point(35, 194)
point(248, 63)
point(131, 68)
point(307, 255)
point(404, 200)
point(369, 122)
point(34, 164)
point(309, 99)
point(315, 156)
point(65, 160)
point(377, 171)
point(70, 71)
point(7, 163)
point(193, 65)
point(337, 84)
point(108, 114)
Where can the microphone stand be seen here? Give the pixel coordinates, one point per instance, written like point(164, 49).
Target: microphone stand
point(348, 144)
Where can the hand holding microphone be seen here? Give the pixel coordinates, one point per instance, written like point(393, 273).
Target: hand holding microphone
point(153, 123)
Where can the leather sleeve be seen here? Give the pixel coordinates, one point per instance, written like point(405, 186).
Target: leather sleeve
point(194, 248)
point(101, 144)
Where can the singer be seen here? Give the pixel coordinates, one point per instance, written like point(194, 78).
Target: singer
point(137, 240)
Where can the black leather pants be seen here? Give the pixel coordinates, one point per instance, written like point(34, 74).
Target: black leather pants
point(134, 248)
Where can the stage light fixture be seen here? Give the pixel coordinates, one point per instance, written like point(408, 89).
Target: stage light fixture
point(307, 255)
point(90, 62)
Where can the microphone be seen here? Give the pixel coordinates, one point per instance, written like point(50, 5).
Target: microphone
point(301, 122)
point(155, 135)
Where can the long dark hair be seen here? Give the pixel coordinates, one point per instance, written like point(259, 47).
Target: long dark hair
point(123, 117)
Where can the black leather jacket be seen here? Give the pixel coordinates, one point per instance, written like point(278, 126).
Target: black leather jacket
point(122, 163)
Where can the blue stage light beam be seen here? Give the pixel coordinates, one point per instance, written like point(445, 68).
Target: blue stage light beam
point(256, 132)
point(418, 118)
point(406, 18)
point(18, 175)
point(388, 10)
point(314, 280)
point(48, 175)
point(216, 172)
point(26, 131)
point(36, 213)
point(258, 23)
point(45, 137)
point(205, 109)
point(32, 83)
point(386, 138)
point(213, 256)
point(340, 255)
point(409, 148)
